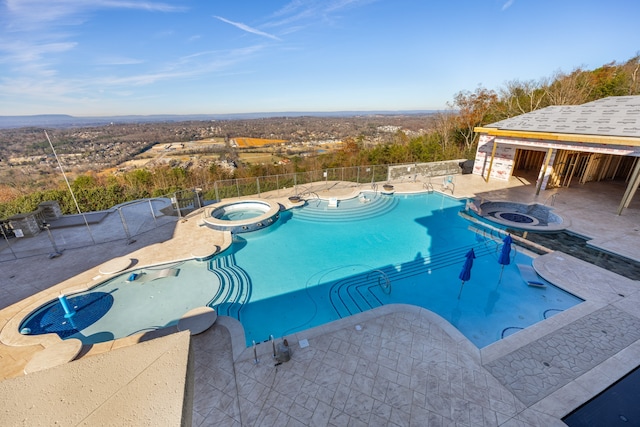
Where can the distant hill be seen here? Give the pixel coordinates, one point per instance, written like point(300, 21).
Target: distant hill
point(66, 121)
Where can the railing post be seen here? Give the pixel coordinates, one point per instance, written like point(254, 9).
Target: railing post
point(155, 221)
point(56, 251)
point(258, 185)
point(177, 203)
point(126, 227)
point(7, 239)
point(195, 191)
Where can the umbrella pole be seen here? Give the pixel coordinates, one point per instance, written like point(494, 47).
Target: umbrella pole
point(461, 286)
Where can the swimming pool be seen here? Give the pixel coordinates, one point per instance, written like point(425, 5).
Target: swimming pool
point(316, 264)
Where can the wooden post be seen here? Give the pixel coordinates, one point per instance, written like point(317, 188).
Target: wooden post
point(632, 187)
point(493, 154)
point(544, 170)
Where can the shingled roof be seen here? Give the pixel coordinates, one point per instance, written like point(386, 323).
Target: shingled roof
point(613, 116)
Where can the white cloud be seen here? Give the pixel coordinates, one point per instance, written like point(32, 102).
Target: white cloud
point(508, 4)
point(46, 55)
point(117, 60)
point(36, 25)
point(299, 14)
point(341, 4)
point(28, 14)
point(247, 28)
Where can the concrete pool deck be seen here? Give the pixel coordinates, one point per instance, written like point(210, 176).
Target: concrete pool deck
point(404, 365)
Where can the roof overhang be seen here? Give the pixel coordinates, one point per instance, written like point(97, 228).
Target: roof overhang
point(568, 137)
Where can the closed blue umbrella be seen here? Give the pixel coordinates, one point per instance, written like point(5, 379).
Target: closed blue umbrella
point(505, 253)
point(465, 274)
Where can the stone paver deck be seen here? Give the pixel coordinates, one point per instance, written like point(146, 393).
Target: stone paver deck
point(543, 366)
point(399, 368)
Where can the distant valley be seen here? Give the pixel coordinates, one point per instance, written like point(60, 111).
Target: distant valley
point(66, 121)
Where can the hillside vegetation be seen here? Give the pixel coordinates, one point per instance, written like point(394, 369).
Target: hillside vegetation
point(29, 173)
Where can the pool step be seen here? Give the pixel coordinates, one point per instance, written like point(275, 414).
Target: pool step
point(235, 286)
point(347, 210)
point(349, 295)
point(357, 293)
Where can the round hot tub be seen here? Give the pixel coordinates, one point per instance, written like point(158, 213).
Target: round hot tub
point(517, 218)
point(523, 216)
point(242, 216)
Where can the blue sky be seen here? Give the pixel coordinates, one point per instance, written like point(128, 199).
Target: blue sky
point(121, 57)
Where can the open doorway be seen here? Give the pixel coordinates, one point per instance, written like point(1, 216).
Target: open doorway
point(527, 164)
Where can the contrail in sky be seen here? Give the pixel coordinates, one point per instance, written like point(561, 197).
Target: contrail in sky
point(247, 28)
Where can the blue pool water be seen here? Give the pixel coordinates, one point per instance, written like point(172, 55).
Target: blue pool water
point(244, 214)
point(319, 264)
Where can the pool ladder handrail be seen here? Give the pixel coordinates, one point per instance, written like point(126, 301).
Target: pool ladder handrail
point(552, 198)
point(428, 186)
point(309, 195)
point(374, 187)
point(386, 286)
point(448, 183)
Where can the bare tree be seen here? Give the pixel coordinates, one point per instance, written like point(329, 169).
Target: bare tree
point(444, 124)
point(522, 97)
point(632, 67)
point(568, 89)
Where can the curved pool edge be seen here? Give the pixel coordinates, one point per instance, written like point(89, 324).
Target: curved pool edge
point(554, 267)
point(264, 349)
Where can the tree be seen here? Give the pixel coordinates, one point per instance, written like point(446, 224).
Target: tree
point(474, 109)
point(84, 182)
point(609, 80)
point(444, 124)
point(632, 67)
point(568, 89)
point(400, 137)
point(520, 97)
point(141, 178)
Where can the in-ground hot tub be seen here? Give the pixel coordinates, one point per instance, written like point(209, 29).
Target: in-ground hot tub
point(242, 216)
point(530, 217)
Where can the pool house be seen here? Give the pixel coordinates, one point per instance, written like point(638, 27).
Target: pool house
point(566, 145)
